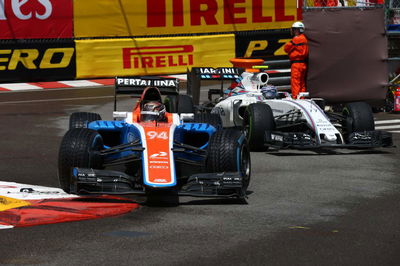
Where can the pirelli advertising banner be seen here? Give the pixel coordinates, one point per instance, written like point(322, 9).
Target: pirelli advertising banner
point(163, 17)
point(36, 19)
point(36, 60)
point(262, 44)
point(142, 56)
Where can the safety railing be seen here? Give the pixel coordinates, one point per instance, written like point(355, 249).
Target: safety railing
point(392, 8)
point(341, 3)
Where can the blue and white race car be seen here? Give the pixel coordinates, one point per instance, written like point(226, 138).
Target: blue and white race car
point(273, 119)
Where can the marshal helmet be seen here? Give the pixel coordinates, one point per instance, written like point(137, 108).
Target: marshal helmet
point(298, 25)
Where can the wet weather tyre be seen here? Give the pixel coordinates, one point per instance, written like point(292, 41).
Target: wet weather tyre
point(228, 151)
point(79, 148)
point(258, 123)
point(358, 117)
point(81, 119)
point(185, 104)
point(208, 118)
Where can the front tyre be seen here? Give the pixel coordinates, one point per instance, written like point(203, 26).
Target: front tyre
point(228, 151)
point(358, 117)
point(79, 148)
point(82, 119)
point(258, 123)
point(208, 118)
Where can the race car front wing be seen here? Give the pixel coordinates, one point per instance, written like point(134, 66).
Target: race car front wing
point(94, 181)
point(300, 140)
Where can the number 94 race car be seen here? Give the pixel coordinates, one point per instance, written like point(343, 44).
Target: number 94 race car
point(153, 152)
point(276, 120)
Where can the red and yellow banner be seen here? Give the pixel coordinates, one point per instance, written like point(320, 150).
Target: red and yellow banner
point(34, 19)
point(144, 56)
point(161, 17)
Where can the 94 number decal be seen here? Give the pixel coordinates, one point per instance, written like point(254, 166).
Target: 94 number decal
point(157, 135)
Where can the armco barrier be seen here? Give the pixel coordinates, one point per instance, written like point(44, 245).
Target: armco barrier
point(36, 60)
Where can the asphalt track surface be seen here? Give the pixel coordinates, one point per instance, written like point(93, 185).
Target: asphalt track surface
point(337, 207)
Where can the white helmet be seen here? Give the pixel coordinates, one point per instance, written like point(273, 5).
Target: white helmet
point(298, 25)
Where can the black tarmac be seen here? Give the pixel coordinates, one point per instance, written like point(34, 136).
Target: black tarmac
point(331, 207)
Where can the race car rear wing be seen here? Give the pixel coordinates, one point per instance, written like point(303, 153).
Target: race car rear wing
point(197, 74)
point(135, 86)
point(280, 78)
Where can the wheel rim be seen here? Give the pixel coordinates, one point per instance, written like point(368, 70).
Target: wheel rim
point(245, 165)
point(247, 127)
point(347, 125)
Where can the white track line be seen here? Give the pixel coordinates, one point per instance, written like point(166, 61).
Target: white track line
point(389, 127)
point(396, 131)
point(80, 83)
point(380, 122)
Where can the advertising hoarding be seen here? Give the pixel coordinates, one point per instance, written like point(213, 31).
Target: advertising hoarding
point(34, 19)
point(262, 44)
point(151, 56)
point(164, 17)
point(37, 60)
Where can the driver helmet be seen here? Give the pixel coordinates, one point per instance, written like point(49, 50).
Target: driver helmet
point(269, 92)
point(298, 25)
point(152, 111)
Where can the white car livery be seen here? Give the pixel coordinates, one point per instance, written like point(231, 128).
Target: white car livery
point(283, 122)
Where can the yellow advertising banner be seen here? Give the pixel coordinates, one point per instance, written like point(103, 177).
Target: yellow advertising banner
point(93, 18)
point(151, 56)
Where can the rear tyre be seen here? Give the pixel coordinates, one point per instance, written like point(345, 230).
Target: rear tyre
point(82, 119)
point(185, 104)
point(208, 118)
point(358, 118)
point(179, 104)
point(171, 103)
point(228, 151)
point(78, 149)
point(258, 123)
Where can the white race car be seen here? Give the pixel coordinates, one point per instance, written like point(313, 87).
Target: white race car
point(279, 121)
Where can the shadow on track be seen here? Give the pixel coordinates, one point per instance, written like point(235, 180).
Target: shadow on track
point(327, 152)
